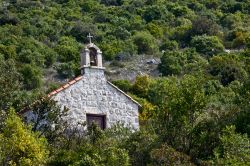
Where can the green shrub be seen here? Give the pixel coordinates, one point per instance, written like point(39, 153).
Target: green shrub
point(68, 70)
point(155, 30)
point(32, 76)
point(169, 45)
point(8, 51)
point(234, 148)
point(68, 49)
point(124, 85)
point(227, 69)
point(166, 155)
point(207, 45)
point(141, 85)
point(19, 145)
point(145, 42)
point(172, 63)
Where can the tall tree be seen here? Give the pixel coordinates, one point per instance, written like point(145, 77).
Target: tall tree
point(19, 145)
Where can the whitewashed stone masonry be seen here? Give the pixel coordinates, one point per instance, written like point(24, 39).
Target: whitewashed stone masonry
point(93, 94)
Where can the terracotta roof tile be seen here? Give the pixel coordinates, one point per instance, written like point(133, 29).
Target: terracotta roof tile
point(71, 82)
point(78, 78)
point(60, 89)
point(65, 86)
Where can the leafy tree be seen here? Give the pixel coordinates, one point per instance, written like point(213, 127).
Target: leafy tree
point(181, 102)
point(80, 31)
point(182, 115)
point(207, 45)
point(19, 145)
point(46, 110)
point(145, 43)
point(141, 86)
point(139, 145)
point(181, 62)
point(152, 13)
point(68, 49)
point(204, 26)
point(169, 45)
point(147, 111)
point(234, 148)
point(8, 51)
point(242, 122)
point(112, 2)
point(172, 63)
point(112, 49)
point(9, 83)
point(124, 85)
point(227, 69)
point(31, 77)
point(239, 39)
point(155, 30)
point(166, 155)
point(68, 70)
point(95, 149)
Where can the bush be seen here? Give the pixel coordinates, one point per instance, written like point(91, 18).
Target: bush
point(124, 85)
point(207, 45)
point(139, 146)
point(95, 148)
point(155, 30)
point(234, 149)
point(32, 76)
point(68, 70)
point(112, 2)
point(145, 42)
point(9, 83)
point(152, 13)
point(172, 63)
point(227, 69)
point(203, 25)
point(8, 51)
point(166, 155)
point(68, 49)
point(141, 86)
point(169, 45)
point(113, 48)
point(19, 145)
point(81, 30)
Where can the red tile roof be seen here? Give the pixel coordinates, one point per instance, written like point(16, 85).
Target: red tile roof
point(52, 93)
point(65, 86)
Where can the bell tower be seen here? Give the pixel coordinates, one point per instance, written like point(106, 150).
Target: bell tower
point(91, 57)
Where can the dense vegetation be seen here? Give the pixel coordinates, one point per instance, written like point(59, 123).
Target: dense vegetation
point(196, 113)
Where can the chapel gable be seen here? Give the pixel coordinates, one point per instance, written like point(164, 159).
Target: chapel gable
point(90, 98)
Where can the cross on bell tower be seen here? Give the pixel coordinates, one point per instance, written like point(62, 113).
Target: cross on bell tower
point(89, 36)
point(91, 57)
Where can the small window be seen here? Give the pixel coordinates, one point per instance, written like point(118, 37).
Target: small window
point(99, 120)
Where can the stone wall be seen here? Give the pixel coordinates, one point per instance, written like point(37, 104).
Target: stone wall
point(93, 94)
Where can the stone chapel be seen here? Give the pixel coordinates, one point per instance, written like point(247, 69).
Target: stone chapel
point(91, 98)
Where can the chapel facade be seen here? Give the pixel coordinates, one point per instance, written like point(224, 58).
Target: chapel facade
point(91, 98)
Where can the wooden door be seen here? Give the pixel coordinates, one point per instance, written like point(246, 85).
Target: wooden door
point(99, 120)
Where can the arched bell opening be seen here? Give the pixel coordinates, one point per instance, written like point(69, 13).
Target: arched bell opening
point(93, 56)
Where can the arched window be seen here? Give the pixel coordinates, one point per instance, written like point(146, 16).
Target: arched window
point(93, 56)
